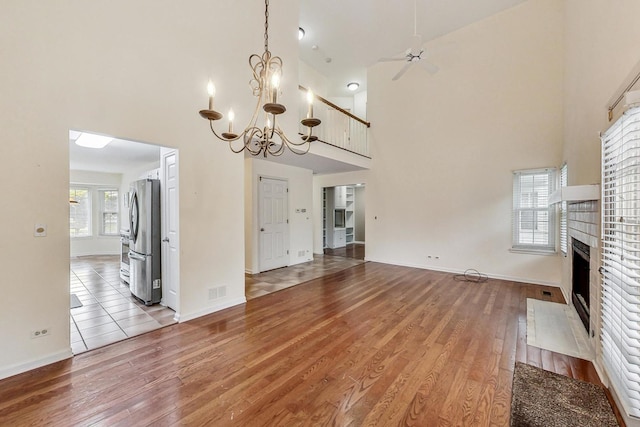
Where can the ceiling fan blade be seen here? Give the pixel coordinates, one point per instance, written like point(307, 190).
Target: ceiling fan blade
point(402, 71)
point(400, 58)
point(429, 66)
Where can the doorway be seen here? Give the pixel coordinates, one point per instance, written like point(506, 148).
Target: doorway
point(343, 212)
point(103, 309)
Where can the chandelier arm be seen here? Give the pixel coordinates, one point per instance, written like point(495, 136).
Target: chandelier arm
point(248, 140)
point(289, 144)
point(301, 143)
point(215, 133)
point(276, 149)
point(297, 144)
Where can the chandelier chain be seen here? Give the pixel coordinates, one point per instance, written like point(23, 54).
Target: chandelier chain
point(266, 26)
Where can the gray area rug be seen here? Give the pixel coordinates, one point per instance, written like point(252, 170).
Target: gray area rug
point(75, 301)
point(543, 398)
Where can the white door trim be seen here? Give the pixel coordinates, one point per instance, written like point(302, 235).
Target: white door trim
point(170, 220)
point(279, 255)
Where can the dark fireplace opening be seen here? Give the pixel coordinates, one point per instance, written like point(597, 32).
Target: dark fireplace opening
point(580, 281)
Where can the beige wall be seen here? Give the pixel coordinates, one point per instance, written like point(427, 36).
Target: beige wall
point(299, 181)
point(444, 145)
point(134, 70)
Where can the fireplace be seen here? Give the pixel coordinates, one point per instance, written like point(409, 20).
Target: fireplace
point(580, 281)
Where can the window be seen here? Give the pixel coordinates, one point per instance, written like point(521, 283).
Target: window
point(79, 212)
point(93, 211)
point(620, 257)
point(533, 216)
point(563, 212)
point(108, 212)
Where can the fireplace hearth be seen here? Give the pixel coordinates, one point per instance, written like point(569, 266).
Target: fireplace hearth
point(580, 281)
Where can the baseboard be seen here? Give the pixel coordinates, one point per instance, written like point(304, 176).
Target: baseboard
point(36, 363)
point(210, 310)
point(458, 271)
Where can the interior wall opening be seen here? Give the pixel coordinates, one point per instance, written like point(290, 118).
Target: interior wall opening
point(119, 187)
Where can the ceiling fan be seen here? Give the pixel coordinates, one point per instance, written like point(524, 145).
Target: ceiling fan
point(413, 55)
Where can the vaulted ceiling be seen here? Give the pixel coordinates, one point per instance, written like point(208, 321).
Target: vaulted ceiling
point(344, 37)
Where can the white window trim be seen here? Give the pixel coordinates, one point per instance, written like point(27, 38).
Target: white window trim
point(564, 213)
point(101, 211)
point(90, 215)
point(531, 248)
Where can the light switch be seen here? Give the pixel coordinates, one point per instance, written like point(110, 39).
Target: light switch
point(40, 230)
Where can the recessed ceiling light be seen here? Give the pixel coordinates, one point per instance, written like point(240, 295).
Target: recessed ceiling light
point(91, 140)
point(300, 33)
point(353, 86)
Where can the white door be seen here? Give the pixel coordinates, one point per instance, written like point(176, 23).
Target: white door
point(170, 230)
point(273, 223)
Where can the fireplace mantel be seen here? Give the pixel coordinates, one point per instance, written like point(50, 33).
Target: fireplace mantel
point(576, 193)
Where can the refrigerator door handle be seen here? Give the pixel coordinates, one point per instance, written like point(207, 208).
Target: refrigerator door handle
point(137, 257)
point(134, 217)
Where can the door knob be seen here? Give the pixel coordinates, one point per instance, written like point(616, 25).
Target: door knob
point(262, 229)
point(166, 239)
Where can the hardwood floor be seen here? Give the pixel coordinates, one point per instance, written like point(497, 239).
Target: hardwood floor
point(352, 250)
point(371, 345)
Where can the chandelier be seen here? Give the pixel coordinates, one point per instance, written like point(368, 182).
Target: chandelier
point(266, 138)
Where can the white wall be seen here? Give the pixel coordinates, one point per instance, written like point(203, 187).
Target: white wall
point(299, 198)
point(138, 71)
point(360, 104)
point(96, 244)
point(312, 79)
point(444, 145)
point(601, 43)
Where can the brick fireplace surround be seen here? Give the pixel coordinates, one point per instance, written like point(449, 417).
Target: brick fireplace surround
point(583, 224)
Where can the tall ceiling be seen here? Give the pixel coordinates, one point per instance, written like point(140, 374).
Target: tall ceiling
point(351, 35)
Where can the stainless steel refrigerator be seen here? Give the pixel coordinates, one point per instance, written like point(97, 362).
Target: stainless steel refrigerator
point(144, 242)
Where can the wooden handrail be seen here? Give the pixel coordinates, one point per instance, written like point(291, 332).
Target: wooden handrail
point(332, 105)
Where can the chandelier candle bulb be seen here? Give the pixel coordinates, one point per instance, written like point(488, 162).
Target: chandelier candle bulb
point(275, 84)
point(231, 117)
point(310, 100)
point(211, 90)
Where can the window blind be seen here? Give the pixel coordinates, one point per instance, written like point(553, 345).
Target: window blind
point(563, 212)
point(533, 216)
point(621, 258)
point(80, 212)
point(109, 212)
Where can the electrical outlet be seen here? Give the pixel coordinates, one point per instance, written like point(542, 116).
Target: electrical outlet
point(40, 333)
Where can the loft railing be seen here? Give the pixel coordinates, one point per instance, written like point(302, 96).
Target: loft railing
point(339, 127)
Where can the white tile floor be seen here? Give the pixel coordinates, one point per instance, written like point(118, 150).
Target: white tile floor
point(109, 313)
point(557, 327)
